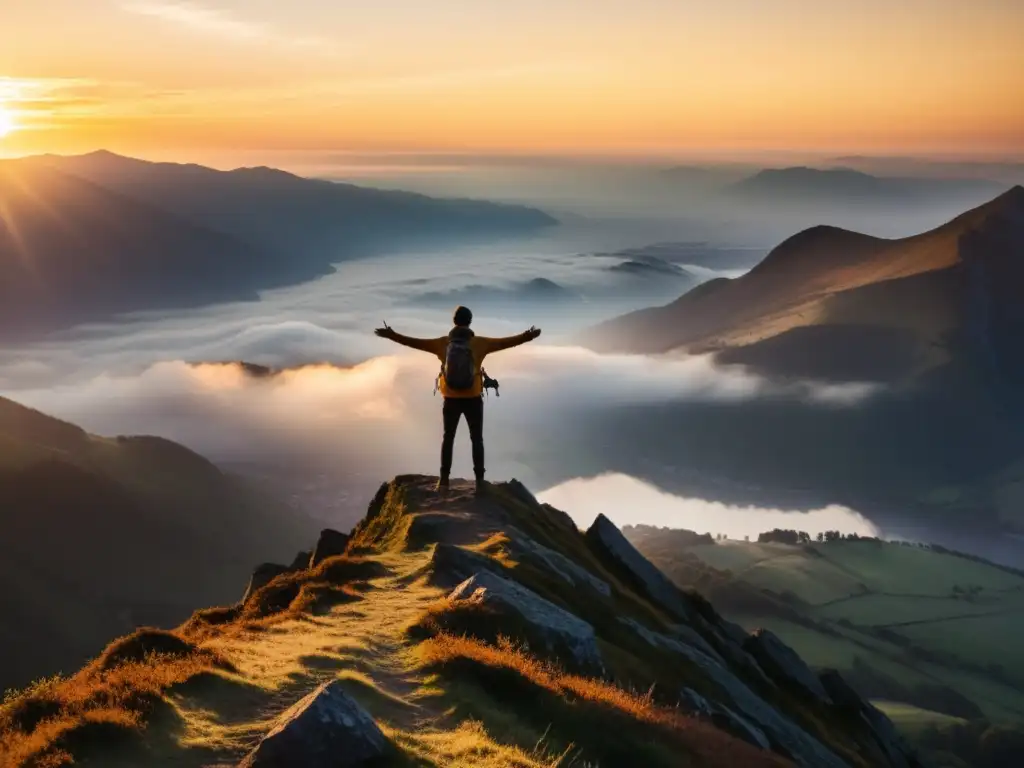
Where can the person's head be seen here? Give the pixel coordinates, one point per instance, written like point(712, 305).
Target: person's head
point(463, 317)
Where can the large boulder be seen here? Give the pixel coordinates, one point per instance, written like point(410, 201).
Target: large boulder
point(326, 729)
point(612, 545)
point(784, 665)
point(451, 565)
point(330, 543)
point(557, 629)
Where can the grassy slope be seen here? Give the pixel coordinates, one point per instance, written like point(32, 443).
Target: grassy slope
point(78, 512)
point(444, 684)
point(867, 585)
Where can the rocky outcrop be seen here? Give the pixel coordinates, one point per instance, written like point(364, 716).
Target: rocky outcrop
point(786, 737)
point(330, 543)
point(577, 575)
point(893, 746)
point(784, 666)
point(609, 541)
point(451, 565)
point(659, 640)
point(563, 633)
point(326, 728)
point(263, 574)
point(724, 718)
point(301, 561)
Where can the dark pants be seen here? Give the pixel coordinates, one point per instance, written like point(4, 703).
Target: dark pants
point(473, 409)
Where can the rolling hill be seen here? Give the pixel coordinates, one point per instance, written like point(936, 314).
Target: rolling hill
point(931, 322)
point(947, 293)
point(99, 535)
point(453, 630)
point(930, 633)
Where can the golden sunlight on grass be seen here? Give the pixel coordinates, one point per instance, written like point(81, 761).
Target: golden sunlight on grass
point(605, 721)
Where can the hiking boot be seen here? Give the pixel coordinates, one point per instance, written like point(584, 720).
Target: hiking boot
point(442, 485)
point(481, 487)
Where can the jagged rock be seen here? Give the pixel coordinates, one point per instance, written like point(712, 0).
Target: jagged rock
point(895, 748)
point(326, 728)
point(691, 637)
point(301, 561)
point(724, 636)
point(559, 629)
point(609, 540)
point(451, 565)
point(263, 574)
point(725, 719)
point(570, 571)
point(562, 517)
point(658, 640)
point(785, 735)
point(331, 543)
point(522, 493)
point(784, 665)
point(840, 691)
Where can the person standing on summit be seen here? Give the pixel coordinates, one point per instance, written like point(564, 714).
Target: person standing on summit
point(461, 383)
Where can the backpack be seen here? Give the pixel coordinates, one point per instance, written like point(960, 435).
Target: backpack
point(459, 369)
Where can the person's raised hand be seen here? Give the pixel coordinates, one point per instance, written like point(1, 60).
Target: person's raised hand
point(533, 333)
point(385, 333)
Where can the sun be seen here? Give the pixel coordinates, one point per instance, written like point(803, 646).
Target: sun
point(7, 124)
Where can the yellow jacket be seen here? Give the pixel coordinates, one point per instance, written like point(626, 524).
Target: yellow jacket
point(481, 346)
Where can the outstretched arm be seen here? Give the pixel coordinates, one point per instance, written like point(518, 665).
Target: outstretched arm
point(507, 342)
point(425, 345)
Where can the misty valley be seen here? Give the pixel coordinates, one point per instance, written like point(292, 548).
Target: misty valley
point(783, 403)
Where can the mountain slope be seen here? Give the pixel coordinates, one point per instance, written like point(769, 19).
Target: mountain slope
point(72, 251)
point(99, 535)
point(87, 237)
point(456, 630)
point(309, 219)
point(952, 293)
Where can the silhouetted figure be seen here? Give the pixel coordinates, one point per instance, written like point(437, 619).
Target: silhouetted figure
point(461, 383)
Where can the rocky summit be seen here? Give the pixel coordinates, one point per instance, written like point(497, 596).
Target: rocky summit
point(453, 630)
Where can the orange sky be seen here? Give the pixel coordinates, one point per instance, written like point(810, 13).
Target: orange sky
point(602, 76)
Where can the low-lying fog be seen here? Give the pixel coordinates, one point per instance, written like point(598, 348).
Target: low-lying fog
point(330, 433)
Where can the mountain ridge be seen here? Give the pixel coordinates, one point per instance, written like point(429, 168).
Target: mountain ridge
point(452, 626)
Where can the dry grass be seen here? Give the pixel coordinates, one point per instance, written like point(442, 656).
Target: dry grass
point(114, 696)
point(48, 723)
point(386, 526)
point(469, 744)
point(608, 724)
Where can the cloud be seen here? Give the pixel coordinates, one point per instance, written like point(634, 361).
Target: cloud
point(220, 23)
point(627, 501)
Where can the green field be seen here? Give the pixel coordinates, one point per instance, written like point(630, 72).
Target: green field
point(970, 613)
point(882, 610)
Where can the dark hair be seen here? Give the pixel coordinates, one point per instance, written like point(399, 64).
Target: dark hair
point(462, 316)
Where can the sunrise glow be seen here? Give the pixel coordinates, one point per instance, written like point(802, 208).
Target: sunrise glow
point(644, 77)
point(7, 122)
